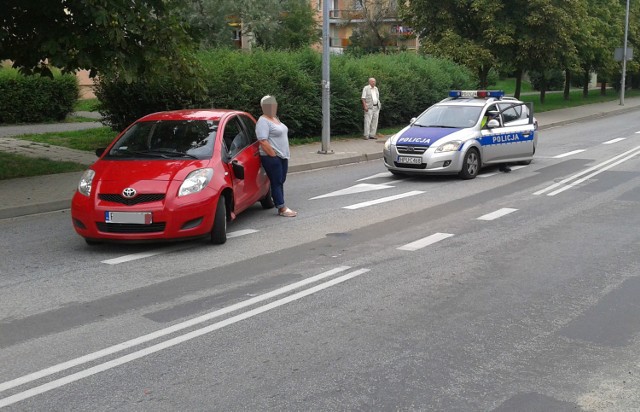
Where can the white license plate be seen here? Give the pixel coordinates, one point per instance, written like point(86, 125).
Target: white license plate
point(410, 160)
point(140, 218)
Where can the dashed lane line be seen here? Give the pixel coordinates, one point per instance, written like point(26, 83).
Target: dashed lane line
point(383, 200)
point(612, 141)
point(424, 242)
point(497, 214)
point(568, 154)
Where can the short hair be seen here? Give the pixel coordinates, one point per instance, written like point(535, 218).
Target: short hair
point(268, 100)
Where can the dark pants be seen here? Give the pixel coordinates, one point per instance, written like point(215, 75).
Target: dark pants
point(276, 169)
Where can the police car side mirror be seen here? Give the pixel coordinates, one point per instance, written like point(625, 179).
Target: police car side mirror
point(492, 124)
point(413, 120)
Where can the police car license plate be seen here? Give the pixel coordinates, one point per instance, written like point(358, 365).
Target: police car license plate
point(410, 160)
point(140, 218)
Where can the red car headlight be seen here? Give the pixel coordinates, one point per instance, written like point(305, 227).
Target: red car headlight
point(84, 186)
point(195, 182)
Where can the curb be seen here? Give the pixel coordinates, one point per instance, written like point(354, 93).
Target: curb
point(335, 162)
point(591, 116)
point(35, 208)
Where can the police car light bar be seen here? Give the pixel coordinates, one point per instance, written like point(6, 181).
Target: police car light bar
point(476, 93)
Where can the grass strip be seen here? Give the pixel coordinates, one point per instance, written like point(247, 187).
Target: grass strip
point(14, 165)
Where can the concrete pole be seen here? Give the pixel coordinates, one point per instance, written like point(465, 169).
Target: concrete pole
point(624, 57)
point(326, 85)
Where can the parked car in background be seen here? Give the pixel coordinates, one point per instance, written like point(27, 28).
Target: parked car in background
point(172, 175)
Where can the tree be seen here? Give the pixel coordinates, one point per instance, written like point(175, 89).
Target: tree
point(272, 24)
point(373, 34)
point(124, 36)
point(599, 37)
point(465, 31)
point(547, 38)
point(296, 27)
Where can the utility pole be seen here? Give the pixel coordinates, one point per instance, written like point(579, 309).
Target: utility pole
point(326, 85)
point(624, 57)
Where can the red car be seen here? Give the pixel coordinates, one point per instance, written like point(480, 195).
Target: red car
point(172, 175)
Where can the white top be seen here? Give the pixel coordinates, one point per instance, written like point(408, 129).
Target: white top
point(372, 92)
point(277, 134)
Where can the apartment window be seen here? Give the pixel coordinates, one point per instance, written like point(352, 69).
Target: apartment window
point(357, 5)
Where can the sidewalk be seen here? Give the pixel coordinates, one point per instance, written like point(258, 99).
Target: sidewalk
point(24, 196)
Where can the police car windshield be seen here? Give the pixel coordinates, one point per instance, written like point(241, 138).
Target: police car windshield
point(449, 116)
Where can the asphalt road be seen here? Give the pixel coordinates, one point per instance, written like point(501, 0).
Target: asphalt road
point(509, 292)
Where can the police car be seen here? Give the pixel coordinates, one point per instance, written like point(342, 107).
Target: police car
point(461, 134)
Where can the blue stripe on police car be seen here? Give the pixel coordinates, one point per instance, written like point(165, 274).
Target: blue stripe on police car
point(505, 138)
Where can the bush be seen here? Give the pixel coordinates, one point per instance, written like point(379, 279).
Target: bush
point(34, 99)
point(408, 84)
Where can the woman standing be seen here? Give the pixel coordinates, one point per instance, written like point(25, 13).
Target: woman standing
point(274, 151)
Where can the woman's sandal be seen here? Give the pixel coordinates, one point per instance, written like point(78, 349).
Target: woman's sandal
point(288, 213)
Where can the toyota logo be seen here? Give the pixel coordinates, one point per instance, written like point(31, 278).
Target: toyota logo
point(129, 192)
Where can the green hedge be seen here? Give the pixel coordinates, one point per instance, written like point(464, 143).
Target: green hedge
point(408, 84)
point(34, 99)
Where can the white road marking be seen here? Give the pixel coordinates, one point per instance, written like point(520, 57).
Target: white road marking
point(568, 154)
point(239, 233)
point(174, 341)
point(498, 213)
point(143, 255)
point(166, 331)
point(383, 174)
point(424, 242)
point(604, 169)
point(517, 167)
point(612, 141)
point(383, 200)
point(359, 188)
point(496, 173)
point(589, 170)
point(638, 132)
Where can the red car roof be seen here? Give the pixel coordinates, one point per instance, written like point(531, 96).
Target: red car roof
point(191, 114)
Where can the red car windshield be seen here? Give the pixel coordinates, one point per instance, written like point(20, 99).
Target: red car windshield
point(167, 139)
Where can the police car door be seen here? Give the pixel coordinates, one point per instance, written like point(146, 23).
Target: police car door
point(509, 137)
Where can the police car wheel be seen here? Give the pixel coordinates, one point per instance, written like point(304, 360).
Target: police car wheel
point(470, 165)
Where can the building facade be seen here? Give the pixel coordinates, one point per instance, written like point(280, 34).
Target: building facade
point(348, 16)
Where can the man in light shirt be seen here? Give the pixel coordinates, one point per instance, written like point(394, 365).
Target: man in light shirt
point(371, 105)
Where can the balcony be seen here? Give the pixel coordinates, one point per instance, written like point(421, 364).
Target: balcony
point(346, 14)
point(338, 42)
point(353, 14)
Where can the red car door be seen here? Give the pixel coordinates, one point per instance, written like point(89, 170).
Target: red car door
point(242, 153)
